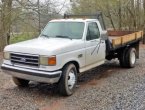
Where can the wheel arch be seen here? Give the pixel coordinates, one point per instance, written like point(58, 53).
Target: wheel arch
point(136, 47)
point(75, 63)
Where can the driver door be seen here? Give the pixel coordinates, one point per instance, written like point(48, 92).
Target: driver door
point(95, 48)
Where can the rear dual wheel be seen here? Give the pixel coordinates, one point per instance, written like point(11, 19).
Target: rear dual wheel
point(128, 58)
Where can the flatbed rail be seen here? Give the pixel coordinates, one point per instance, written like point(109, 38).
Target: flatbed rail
point(120, 38)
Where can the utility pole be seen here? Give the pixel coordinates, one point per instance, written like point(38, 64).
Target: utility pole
point(39, 19)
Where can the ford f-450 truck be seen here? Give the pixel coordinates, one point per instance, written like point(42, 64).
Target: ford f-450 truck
point(67, 47)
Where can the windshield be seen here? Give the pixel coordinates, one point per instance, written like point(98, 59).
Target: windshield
point(72, 30)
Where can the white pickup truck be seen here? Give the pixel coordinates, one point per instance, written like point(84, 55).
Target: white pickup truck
point(65, 48)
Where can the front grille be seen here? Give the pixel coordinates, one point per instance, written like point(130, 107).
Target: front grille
point(22, 59)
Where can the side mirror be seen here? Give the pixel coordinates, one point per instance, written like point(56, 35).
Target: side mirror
point(104, 35)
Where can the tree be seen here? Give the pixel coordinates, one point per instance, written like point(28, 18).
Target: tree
point(119, 14)
point(25, 16)
point(6, 7)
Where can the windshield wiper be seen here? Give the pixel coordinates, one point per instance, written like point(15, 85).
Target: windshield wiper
point(59, 36)
point(45, 35)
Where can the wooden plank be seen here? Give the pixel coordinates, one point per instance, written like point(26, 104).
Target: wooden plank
point(118, 33)
point(128, 38)
point(123, 37)
point(139, 34)
point(132, 37)
point(116, 41)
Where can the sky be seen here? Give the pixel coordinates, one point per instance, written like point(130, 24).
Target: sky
point(63, 3)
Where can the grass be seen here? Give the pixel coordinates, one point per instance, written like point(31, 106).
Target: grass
point(22, 37)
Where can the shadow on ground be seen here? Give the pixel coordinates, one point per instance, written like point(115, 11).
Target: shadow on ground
point(98, 73)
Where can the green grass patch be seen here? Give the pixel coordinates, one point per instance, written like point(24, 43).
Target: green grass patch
point(22, 37)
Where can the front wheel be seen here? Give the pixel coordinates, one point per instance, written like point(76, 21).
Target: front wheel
point(68, 80)
point(20, 82)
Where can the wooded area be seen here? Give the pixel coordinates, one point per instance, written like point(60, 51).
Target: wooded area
point(18, 16)
point(119, 14)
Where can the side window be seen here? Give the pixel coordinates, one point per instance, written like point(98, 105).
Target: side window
point(93, 31)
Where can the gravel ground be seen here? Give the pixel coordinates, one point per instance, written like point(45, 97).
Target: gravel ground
point(107, 87)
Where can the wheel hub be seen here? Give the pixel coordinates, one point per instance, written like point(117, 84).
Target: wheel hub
point(71, 79)
point(133, 58)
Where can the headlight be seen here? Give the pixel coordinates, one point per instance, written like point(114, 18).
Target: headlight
point(48, 61)
point(6, 55)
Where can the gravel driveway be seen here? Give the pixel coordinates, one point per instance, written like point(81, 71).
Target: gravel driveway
point(107, 87)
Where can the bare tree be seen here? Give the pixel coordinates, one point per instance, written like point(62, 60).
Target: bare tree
point(17, 16)
point(121, 14)
point(6, 7)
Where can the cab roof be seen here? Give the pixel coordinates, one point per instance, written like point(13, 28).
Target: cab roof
point(73, 20)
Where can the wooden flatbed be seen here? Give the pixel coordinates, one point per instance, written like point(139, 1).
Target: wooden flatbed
point(120, 38)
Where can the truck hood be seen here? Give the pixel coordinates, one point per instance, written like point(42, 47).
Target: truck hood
point(45, 46)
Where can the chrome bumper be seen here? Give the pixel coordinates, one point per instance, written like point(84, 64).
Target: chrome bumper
point(32, 75)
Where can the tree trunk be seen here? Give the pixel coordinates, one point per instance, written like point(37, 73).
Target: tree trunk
point(109, 15)
point(6, 23)
point(120, 15)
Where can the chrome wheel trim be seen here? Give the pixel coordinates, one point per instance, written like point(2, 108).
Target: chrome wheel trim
point(133, 57)
point(71, 79)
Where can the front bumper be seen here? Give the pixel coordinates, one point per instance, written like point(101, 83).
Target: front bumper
point(31, 74)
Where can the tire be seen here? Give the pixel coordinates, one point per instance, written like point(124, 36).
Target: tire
point(20, 82)
point(122, 58)
point(68, 80)
point(130, 58)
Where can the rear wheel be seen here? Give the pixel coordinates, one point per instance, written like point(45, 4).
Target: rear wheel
point(20, 82)
point(128, 58)
point(122, 58)
point(68, 80)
